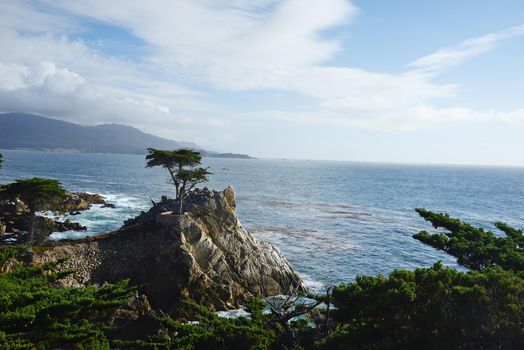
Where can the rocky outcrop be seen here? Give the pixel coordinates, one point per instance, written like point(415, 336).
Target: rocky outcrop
point(67, 225)
point(79, 201)
point(204, 255)
point(73, 202)
point(15, 216)
point(47, 225)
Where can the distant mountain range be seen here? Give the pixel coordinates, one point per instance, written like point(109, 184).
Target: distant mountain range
point(34, 132)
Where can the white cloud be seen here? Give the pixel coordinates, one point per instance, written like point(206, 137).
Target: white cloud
point(412, 118)
point(43, 71)
point(250, 45)
point(22, 14)
point(11, 76)
point(236, 45)
point(467, 49)
point(262, 45)
point(279, 45)
point(346, 88)
point(46, 89)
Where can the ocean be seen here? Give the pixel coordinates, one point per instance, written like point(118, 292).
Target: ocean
point(332, 220)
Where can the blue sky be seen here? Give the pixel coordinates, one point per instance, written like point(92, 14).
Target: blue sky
point(391, 81)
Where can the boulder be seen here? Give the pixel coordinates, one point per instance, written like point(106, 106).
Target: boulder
point(204, 255)
point(79, 201)
point(59, 226)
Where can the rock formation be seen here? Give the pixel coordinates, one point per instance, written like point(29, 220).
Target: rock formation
point(15, 217)
point(79, 201)
point(204, 255)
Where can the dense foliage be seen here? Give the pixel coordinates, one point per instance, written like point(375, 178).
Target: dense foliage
point(37, 193)
point(435, 308)
point(474, 247)
point(208, 331)
point(439, 308)
point(36, 314)
point(430, 308)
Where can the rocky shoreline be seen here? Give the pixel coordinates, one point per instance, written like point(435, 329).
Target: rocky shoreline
point(204, 255)
point(15, 217)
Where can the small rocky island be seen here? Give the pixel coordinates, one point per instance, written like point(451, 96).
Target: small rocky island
point(204, 254)
point(15, 216)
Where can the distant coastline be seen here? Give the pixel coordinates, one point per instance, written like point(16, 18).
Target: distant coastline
point(205, 154)
point(29, 132)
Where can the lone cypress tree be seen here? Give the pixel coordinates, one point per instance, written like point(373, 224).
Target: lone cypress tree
point(181, 165)
point(39, 195)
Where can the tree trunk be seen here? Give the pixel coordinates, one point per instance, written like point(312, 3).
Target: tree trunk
point(181, 202)
point(177, 184)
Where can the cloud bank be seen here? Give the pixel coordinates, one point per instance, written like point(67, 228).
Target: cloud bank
point(196, 49)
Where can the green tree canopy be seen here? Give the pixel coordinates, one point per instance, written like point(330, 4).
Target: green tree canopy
point(429, 308)
point(35, 313)
point(173, 159)
point(435, 308)
point(181, 165)
point(474, 247)
point(438, 307)
point(38, 194)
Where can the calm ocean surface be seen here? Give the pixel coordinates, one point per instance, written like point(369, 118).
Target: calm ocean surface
point(332, 220)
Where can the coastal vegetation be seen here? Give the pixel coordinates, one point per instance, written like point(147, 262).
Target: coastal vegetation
point(478, 307)
point(39, 195)
point(434, 308)
point(182, 167)
point(34, 314)
point(475, 248)
point(439, 307)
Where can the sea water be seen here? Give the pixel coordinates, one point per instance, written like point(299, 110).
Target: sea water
point(332, 220)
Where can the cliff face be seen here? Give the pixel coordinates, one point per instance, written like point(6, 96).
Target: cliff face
point(205, 255)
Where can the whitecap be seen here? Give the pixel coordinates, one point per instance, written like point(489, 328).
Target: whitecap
point(313, 285)
point(234, 313)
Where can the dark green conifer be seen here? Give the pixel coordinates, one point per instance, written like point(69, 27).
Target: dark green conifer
point(181, 165)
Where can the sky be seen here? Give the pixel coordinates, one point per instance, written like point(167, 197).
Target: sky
point(382, 81)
